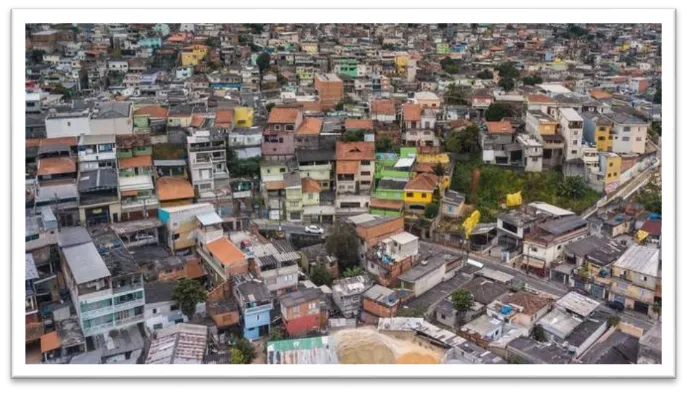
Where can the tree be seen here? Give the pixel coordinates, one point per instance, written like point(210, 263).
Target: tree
point(449, 65)
point(246, 349)
point(60, 89)
point(507, 84)
point(353, 271)
point(276, 334)
point(320, 276)
point(613, 321)
point(462, 300)
point(269, 107)
point(353, 136)
point(187, 294)
point(344, 244)
point(464, 141)
point(263, 62)
point(37, 56)
point(455, 96)
point(655, 130)
point(657, 94)
point(650, 197)
point(515, 360)
point(486, 74)
point(532, 80)
point(439, 169)
point(384, 145)
point(497, 111)
point(538, 333)
point(432, 210)
point(572, 187)
point(237, 356)
point(508, 70)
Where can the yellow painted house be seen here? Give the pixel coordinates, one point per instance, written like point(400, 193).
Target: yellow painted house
point(610, 164)
point(243, 116)
point(603, 138)
point(192, 55)
point(401, 60)
point(419, 191)
point(438, 158)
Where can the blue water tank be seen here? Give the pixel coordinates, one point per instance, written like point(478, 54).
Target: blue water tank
point(505, 310)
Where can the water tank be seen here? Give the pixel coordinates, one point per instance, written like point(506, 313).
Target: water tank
point(505, 310)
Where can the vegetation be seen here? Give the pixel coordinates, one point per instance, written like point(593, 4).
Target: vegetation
point(263, 62)
point(538, 333)
point(236, 356)
point(60, 89)
point(439, 169)
point(249, 167)
point(614, 320)
point(449, 65)
point(353, 271)
point(572, 187)
point(353, 136)
point(486, 74)
point(507, 84)
point(532, 80)
point(276, 334)
point(455, 96)
point(168, 151)
point(384, 145)
point(462, 300)
point(246, 349)
point(497, 111)
point(508, 70)
point(320, 276)
point(655, 131)
point(495, 182)
point(343, 243)
point(432, 210)
point(515, 360)
point(465, 141)
point(187, 294)
point(269, 107)
point(410, 313)
point(650, 197)
point(658, 93)
point(36, 56)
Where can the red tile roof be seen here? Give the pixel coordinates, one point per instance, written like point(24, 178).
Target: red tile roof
point(412, 112)
point(283, 115)
point(383, 107)
point(224, 116)
point(172, 188)
point(309, 185)
point(63, 141)
point(56, 165)
point(50, 341)
point(355, 151)
point(653, 227)
point(226, 252)
point(423, 182)
point(275, 185)
point(152, 111)
point(135, 162)
point(499, 127)
point(310, 126)
point(539, 98)
point(358, 124)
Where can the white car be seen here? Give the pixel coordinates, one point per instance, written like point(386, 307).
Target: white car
point(314, 229)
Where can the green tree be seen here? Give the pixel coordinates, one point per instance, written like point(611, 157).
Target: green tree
point(187, 294)
point(353, 136)
point(658, 93)
point(37, 56)
point(269, 107)
point(455, 96)
point(276, 334)
point(432, 210)
point(572, 187)
point(449, 65)
point(384, 145)
point(485, 74)
point(60, 89)
point(515, 360)
point(353, 271)
point(464, 141)
point(246, 349)
point(532, 80)
point(462, 300)
point(344, 244)
point(613, 321)
point(263, 62)
point(320, 276)
point(507, 84)
point(497, 111)
point(651, 198)
point(439, 169)
point(508, 70)
point(237, 356)
point(538, 333)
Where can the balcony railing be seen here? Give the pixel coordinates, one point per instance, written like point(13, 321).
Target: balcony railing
point(129, 304)
point(258, 309)
point(129, 320)
point(98, 312)
point(127, 288)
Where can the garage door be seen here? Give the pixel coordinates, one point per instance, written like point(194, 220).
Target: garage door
point(641, 307)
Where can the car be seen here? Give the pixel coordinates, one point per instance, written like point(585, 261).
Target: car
point(314, 229)
point(617, 306)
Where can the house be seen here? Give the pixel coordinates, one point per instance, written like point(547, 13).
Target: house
point(532, 152)
point(64, 343)
point(222, 308)
point(521, 308)
point(312, 350)
point(427, 274)
point(557, 325)
point(98, 196)
point(170, 168)
point(161, 311)
point(411, 116)
point(373, 229)
point(207, 158)
point(618, 348)
point(255, 303)
point(530, 351)
point(482, 330)
point(97, 151)
point(629, 133)
point(650, 350)
point(383, 111)
point(420, 192)
point(303, 312)
point(545, 243)
point(308, 134)
point(329, 89)
point(316, 255)
point(112, 118)
point(577, 305)
point(278, 136)
point(355, 166)
point(183, 343)
point(596, 131)
point(347, 294)
point(571, 124)
point(275, 263)
point(246, 142)
point(294, 196)
point(587, 333)
point(174, 191)
point(498, 144)
point(481, 99)
point(427, 100)
point(381, 302)
point(635, 276)
point(484, 292)
point(593, 273)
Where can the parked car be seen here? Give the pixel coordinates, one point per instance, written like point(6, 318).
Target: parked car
point(617, 306)
point(314, 229)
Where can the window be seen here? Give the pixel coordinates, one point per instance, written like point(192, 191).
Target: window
point(32, 237)
point(644, 278)
point(639, 139)
point(409, 194)
point(573, 151)
point(289, 127)
point(533, 249)
point(610, 164)
point(277, 127)
point(424, 195)
point(282, 170)
point(310, 196)
point(602, 138)
point(69, 124)
point(155, 311)
point(365, 183)
point(626, 129)
point(558, 248)
point(157, 326)
point(176, 236)
point(365, 173)
point(534, 159)
point(575, 142)
point(364, 162)
point(173, 307)
point(626, 138)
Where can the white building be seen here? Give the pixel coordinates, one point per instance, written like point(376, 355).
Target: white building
point(571, 131)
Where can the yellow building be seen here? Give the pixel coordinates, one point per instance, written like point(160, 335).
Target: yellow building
point(610, 164)
point(243, 116)
point(401, 62)
point(419, 191)
point(191, 56)
point(310, 47)
point(602, 138)
point(438, 158)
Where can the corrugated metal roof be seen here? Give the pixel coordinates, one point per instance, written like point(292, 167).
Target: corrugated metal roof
point(85, 263)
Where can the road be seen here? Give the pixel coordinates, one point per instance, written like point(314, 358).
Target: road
point(641, 321)
point(286, 227)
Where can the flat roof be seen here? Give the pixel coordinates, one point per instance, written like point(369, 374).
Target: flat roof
point(425, 267)
point(578, 304)
point(209, 218)
point(551, 209)
point(85, 263)
point(403, 237)
point(640, 259)
point(559, 322)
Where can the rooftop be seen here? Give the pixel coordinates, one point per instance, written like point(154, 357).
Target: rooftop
point(171, 188)
point(485, 291)
point(226, 252)
point(159, 291)
point(183, 343)
point(101, 178)
point(85, 263)
point(312, 350)
point(578, 304)
point(499, 127)
point(559, 323)
point(56, 165)
point(618, 348)
point(546, 353)
point(300, 296)
point(427, 266)
point(382, 295)
point(282, 115)
point(114, 253)
point(351, 285)
point(310, 126)
point(640, 259)
point(355, 151)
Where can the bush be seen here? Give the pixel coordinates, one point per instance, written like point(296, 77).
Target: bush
point(497, 111)
point(432, 210)
point(486, 74)
point(320, 276)
point(462, 300)
point(246, 349)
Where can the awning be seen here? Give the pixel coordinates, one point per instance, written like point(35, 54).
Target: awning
point(50, 341)
point(534, 263)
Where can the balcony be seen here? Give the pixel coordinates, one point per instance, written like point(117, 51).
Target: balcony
point(86, 156)
point(129, 305)
point(98, 312)
point(124, 289)
point(130, 204)
point(120, 323)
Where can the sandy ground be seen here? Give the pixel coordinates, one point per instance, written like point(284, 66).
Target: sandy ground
point(367, 346)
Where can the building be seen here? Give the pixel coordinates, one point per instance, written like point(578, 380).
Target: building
point(597, 131)
point(532, 152)
point(207, 160)
point(329, 90)
point(545, 243)
point(355, 167)
point(650, 350)
point(97, 151)
point(530, 351)
point(347, 294)
point(629, 133)
point(183, 343)
point(427, 274)
point(452, 204)
point(498, 143)
point(419, 192)
point(160, 310)
point(381, 302)
point(278, 136)
point(571, 131)
point(635, 276)
point(383, 111)
point(112, 118)
point(303, 312)
point(255, 303)
point(294, 196)
point(174, 191)
point(521, 308)
point(99, 196)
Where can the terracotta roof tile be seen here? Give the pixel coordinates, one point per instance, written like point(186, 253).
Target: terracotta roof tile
point(310, 126)
point(412, 112)
point(358, 124)
point(312, 106)
point(283, 115)
point(539, 98)
point(383, 107)
point(275, 185)
point(194, 269)
point(56, 165)
point(355, 151)
point(224, 116)
point(50, 341)
point(63, 141)
point(309, 185)
point(197, 120)
point(386, 204)
point(424, 167)
point(135, 162)
point(347, 167)
point(226, 252)
point(600, 94)
point(172, 188)
point(423, 182)
point(33, 142)
point(152, 111)
point(499, 127)
point(652, 227)
point(530, 302)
